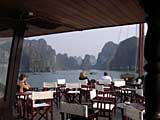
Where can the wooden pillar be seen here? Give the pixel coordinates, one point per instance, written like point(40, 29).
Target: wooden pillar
point(13, 69)
point(152, 55)
point(141, 50)
point(152, 80)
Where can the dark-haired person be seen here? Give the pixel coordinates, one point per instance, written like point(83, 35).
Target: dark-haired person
point(107, 78)
point(23, 85)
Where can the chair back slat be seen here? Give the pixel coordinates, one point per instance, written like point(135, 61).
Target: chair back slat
point(61, 81)
point(83, 82)
point(42, 95)
point(74, 109)
point(99, 87)
point(107, 95)
point(119, 82)
point(93, 94)
point(49, 84)
point(73, 85)
point(104, 82)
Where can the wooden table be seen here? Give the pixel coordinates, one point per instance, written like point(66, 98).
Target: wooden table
point(21, 103)
point(132, 110)
point(85, 89)
point(127, 93)
point(73, 96)
point(135, 85)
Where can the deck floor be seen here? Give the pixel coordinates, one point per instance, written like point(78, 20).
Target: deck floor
point(117, 116)
point(57, 115)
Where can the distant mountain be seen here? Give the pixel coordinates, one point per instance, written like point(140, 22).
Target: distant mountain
point(37, 56)
point(93, 60)
point(106, 55)
point(63, 62)
point(73, 63)
point(88, 62)
point(78, 59)
point(125, 57)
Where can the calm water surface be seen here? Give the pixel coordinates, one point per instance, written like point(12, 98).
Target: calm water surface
point(37, 79)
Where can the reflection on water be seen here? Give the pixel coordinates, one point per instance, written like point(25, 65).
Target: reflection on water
point(37, 79)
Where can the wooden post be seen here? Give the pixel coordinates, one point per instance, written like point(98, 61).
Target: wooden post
point(152, 55)
point(141, 50)
point(13, 69)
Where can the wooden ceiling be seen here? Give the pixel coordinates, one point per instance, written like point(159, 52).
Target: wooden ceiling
point(75, 15)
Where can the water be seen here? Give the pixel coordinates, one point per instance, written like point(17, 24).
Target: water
point(71, 76)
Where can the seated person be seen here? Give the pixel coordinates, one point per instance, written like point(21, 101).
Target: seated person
point(140, 81)
point(83, 76)
point(107, 77)
point(23, 85)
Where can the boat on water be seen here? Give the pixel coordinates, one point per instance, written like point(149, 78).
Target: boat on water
point(92, 73)
point(128, 77)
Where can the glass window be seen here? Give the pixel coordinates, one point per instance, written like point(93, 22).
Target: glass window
point(5, 46)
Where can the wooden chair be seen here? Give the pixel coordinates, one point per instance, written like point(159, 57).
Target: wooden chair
point(85, 90)
point(73, 93)
point(119, 82)
point(103, 82)
point(19, 105)
point(40, 103)
point(127, 94)
point(52, 86)
point(73, 86)
point(74, 111)
point(34, 89)
point(99, 87)
point(61, 88)
point(105, 103)
point(61, 82)
point(93, 94)
point(134, 111)
point(139, 97)
point(83, 82)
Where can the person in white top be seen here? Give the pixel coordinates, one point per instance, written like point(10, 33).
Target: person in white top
point(107, 77)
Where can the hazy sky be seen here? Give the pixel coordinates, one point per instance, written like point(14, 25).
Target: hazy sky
point(89, 41)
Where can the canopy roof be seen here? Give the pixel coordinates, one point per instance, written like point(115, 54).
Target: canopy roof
point(57, 16)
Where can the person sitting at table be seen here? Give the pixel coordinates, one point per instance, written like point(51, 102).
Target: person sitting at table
point(23, 85)
point(107, 78)
point(140, 81)
point(83, 76)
